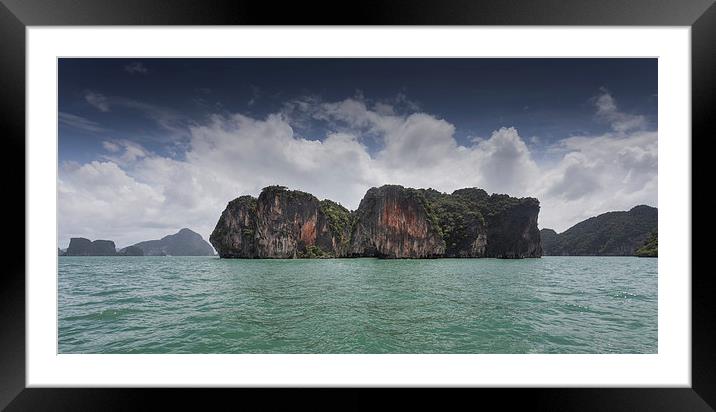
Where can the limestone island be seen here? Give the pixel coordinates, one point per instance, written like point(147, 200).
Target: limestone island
point(392, 222)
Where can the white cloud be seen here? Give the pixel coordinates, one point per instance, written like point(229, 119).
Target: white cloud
point(136, 67)
point(598, 174)
point(80, 122)
point(99, 200)
point(97, 100)
point(255, 95)
point(131, 151)
point(384, 109)
point(111, 146)
point(168, 119)
point(619, 121)
point(135, 194)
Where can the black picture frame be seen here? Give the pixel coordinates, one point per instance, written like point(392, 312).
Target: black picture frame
point(15, 15)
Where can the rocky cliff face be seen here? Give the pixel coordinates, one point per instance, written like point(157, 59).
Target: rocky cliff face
point(281, 223)
point(235, 232)
point(512, 230)
point(395, 222)
point(461, 221)
point(291, 224)
point(391, 222)
point(475, 224)
point(80, 246)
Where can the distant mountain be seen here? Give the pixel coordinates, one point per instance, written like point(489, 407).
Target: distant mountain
point(184, 243)
point(80, 246)
point(131, 251)
point(609, 234)
point(549, 239)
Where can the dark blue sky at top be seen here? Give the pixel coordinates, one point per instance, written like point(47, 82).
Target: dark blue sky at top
point(547, 98)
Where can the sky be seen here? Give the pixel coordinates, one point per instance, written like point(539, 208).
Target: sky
point(150, 146)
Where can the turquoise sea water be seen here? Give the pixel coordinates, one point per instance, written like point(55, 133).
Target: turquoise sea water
point(212, 305)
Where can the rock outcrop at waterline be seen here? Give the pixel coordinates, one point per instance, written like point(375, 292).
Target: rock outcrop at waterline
point(282, 223)
point(391, 222)
point(475, 224)
point(395, 222)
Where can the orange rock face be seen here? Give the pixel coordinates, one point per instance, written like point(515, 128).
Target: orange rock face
point(279, 224)
point(308, 230)
point(391, 222)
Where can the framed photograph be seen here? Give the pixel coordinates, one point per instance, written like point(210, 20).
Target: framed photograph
point(460, 196)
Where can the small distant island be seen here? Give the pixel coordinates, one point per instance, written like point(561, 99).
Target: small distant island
point(183, 243)
point(623, 233)
point(80, 246)
point(392, 222)
point(395, 222)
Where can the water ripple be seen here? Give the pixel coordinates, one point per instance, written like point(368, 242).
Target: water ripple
point(211, 305)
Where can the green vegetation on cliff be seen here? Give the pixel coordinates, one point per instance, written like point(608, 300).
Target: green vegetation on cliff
point(410, 195)
point(246, 200)
point(609, 234)
point(274, 188)
point(468, 216)
point(339, 219)
point(457, 216)
point(313, 252)
point(433, 215)
point(391, 221)
point(283, 190)
point(650, 247)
